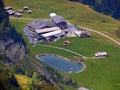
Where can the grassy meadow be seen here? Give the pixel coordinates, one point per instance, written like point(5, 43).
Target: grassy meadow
point(76, 13)
point(100, 74)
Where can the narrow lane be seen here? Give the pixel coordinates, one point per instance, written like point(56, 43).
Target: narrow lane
point(84, 57)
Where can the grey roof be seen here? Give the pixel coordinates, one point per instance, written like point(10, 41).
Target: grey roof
point(18, 14)
point(57, 19)
point(38, 24)
point(8, 7)
point(10, 12)
point(29, 11)
point(26, 7)
point(21, 11)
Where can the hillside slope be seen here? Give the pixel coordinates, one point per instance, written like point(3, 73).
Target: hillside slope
point(109, 7)
point(100, 74)
point(75, 12)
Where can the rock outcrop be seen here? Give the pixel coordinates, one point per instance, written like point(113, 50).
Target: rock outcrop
point(14, 51)
point(12, 45)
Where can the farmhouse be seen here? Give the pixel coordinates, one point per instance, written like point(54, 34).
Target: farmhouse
point(48, 31)
point(42, 30)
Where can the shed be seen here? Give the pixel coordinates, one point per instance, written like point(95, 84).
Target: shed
point(66, 43)
point(26, 8)
point(29, 11)
point(11, 12)
point(21, 11)
point(8, 8)
point(82, 88)
point(17, 14)
point(101, 54)
point(82, 33)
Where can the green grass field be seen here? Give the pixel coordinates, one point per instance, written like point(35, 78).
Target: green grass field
point(100, 74)
point(74, 12)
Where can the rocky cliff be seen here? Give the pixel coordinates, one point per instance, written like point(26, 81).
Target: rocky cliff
point(12, 50)
point(12, 46)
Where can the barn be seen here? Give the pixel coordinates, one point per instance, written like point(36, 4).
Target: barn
point(11, 12)
point(17, 14)
point(42, 30)
point(8, 8)
point(53, 30)
point(60, 21)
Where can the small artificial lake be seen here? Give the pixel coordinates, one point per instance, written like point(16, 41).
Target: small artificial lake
point(61, 63)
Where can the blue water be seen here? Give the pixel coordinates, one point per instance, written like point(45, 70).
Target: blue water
point(61, 64)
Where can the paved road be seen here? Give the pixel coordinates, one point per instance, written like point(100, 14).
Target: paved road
point(102, 34)
point(84, 57)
